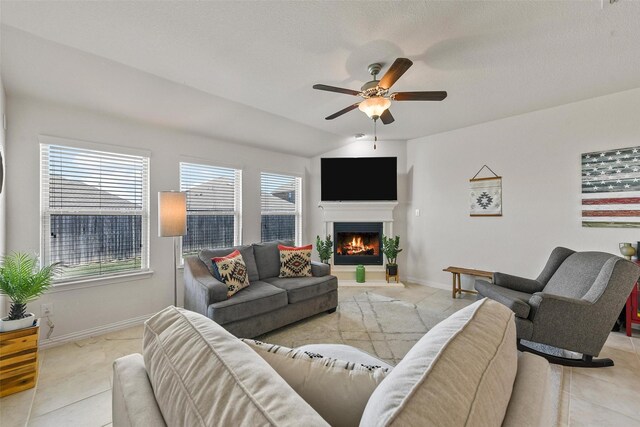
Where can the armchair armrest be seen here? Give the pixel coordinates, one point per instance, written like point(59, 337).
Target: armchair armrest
point(543, 304)
point(319, 269)
point(517, 283)
point(201, 289)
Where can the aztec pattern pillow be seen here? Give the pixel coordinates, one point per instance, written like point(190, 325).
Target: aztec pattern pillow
point(338, 390)
point(232, 271)
point(295, 262)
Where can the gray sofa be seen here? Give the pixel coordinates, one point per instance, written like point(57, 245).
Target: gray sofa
point(269, 302)
point(571, 305)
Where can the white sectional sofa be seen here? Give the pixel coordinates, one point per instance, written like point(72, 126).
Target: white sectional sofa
point(466, 371)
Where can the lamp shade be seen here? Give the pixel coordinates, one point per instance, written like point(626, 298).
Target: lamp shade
point(375, 106)
point(172, 213)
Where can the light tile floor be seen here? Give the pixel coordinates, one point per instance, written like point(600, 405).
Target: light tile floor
point(74, 387)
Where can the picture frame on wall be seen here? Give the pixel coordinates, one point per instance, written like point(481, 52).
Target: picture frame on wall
point(485, 195)
point(611, 188)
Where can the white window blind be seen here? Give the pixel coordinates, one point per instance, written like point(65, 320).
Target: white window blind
point(281, 207)
point(214, 206)
point(95, 211)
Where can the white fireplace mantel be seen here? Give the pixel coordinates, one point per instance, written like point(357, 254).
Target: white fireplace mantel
point(358, 212)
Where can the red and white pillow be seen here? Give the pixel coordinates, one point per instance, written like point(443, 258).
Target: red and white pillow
point(295, 261)
point(232, 271)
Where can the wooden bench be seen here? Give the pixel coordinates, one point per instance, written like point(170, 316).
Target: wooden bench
point(457, 271)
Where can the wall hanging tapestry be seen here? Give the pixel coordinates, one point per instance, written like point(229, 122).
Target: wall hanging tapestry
point(611, 188)
point(485, 194)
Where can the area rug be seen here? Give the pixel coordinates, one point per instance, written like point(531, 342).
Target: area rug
point(383, 326)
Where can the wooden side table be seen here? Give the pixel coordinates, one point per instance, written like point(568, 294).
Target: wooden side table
point(633, 315)
point(18, 359)
point(457, 271)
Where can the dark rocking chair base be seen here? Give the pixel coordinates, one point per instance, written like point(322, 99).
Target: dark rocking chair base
point(585, 362)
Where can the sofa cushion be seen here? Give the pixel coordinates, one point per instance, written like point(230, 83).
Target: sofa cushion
point(460, 373)
point(302, 288)
point(259, 298)
point(531, 403)
point(337, 389)
point(295, 261)
point(232, 271)
point(246, 251)
point(203, 376)
point(267, 258)
point(517, 301)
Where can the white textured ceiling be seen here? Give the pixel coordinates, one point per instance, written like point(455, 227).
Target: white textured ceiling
point(496, 59)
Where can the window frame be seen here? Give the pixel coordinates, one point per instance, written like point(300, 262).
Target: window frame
point(299, 186)
point(46, 211)
point(238, 190)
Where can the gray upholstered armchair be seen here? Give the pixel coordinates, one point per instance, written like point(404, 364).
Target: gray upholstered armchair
point(572, 305)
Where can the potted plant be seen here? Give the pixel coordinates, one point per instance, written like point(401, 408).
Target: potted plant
point(324, 248)
point(22, 281)
point(391, 249)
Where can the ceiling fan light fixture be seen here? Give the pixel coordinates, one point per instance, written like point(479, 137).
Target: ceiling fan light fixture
point(374, 106)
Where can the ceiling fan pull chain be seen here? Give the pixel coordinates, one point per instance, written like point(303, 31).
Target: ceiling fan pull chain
point(375, 133)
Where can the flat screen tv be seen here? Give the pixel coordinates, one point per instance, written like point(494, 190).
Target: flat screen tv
point(358, 179)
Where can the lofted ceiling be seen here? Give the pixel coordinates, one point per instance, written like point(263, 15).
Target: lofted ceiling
point(243, 71)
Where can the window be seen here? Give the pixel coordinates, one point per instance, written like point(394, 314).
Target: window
point(281, 207)
point(214, 203)
point(95, 211)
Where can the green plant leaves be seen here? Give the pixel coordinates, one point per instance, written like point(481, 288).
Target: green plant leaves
point(324, 248)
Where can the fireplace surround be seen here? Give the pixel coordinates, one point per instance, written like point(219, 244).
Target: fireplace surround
point(357, 243)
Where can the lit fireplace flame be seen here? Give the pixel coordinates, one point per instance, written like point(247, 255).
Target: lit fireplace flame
point(356, 246)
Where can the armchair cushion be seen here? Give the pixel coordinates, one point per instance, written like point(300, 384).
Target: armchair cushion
point(517, 283)
point(515, 300)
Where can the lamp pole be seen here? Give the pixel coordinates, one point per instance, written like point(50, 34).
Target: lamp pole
point(172, 222)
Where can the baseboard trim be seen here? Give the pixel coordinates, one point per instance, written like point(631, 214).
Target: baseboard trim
point(428, 283)
point(92, 332)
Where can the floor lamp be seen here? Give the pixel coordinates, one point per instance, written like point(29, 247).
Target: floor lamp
point(172, 222)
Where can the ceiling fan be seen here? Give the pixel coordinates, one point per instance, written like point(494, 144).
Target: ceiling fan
point(377, 99)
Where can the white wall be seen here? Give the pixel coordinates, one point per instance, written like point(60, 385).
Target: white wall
point(3, 204)
point(361, 149)
point(538, 156)
point(90, 308)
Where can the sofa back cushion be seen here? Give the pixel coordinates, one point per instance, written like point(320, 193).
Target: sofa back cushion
point(202, 376)
point(338, 389)
point(267, 256)
point(246, 251)
point(576, 274)
point(460, 373)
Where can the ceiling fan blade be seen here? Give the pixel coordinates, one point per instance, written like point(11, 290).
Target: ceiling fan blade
point(336, 89)
point(387, 117)
point(419, 96)
point(343, 111)
point(396, 71)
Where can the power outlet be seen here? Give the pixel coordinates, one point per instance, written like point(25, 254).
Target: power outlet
point(46, 310)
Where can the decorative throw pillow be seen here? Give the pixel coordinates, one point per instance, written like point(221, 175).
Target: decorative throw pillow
point(338, 390)
point(232, 271)
point(295, 262)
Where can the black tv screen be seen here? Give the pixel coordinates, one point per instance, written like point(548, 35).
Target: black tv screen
point(358, 178)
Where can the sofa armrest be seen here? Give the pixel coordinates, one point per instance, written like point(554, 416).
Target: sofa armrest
point(517, 283)
point(319, 269)
point(201, 289)
point(134, 404)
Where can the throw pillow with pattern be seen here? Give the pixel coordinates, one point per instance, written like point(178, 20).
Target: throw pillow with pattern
point(232, 271)
point(337, 389)
point(295, 261)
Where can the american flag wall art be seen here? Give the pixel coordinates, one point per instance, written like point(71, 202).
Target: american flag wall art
point(611, 188)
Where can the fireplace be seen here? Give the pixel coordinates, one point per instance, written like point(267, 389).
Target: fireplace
point(357, 243)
